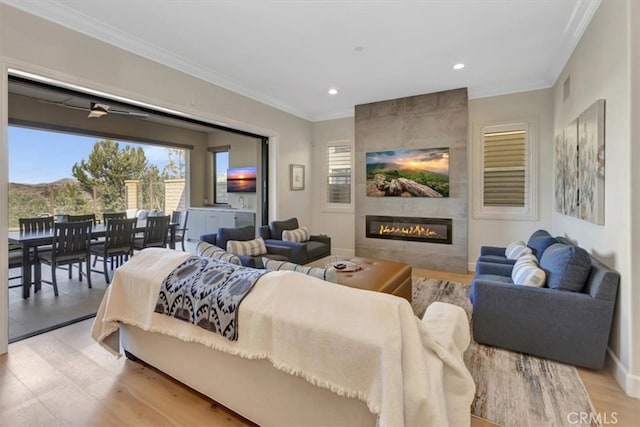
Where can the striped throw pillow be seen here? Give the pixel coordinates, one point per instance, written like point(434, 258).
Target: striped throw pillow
point(516, 249)
point(527, 273)
point(328, 274)
point(212, 251)
point(247, 247)
point(298, 235)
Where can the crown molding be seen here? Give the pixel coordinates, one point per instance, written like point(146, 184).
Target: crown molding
point(61, 14)
point(580, 18)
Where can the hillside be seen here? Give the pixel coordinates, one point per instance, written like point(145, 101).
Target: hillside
point(62, 196)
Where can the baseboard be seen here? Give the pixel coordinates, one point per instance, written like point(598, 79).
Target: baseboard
point(629, 383)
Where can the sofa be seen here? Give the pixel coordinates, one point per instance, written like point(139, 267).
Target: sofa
point(568, 318)
point(302, 252)
point(246, 234)
point(298, 357)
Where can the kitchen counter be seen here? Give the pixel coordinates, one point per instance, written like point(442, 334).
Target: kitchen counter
point(207, 219)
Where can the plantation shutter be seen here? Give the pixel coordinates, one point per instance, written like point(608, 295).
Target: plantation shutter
point(339, 174)
point(505, 159)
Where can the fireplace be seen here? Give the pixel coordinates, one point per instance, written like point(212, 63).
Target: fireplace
point(415, 229)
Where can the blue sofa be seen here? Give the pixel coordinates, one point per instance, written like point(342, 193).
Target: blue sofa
point(223, 235)
point(318, 246)
point(567, 320)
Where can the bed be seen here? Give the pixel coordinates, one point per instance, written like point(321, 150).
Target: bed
point(308, 353)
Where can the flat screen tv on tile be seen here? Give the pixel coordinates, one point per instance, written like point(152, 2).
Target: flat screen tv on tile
point(408, 173)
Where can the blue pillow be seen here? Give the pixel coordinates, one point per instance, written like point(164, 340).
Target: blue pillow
point(540, 244)
point(567, 267)
point(538, 233)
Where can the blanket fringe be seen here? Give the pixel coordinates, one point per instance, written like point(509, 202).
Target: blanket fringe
point(374, 408)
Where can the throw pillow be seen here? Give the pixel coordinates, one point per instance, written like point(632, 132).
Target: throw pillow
point(567, 267)
point(526, 272)
point(516, 249)
point(212, 251)
point(298, 235)
point(540, 244)
point(247, 247)
point(328, 274)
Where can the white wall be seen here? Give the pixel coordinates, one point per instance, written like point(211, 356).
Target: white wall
point(599, 69)
point(40, 47)
point(634, 37)
point(534, 105)
point(337, 223)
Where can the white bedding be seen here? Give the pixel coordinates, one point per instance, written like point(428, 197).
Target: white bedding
point(356, 343)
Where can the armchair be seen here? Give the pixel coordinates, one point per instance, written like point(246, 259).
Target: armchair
point(220, 239)
point(570, 327)
point(318, 246)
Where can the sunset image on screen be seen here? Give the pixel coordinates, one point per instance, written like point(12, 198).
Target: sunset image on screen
point(241, 180)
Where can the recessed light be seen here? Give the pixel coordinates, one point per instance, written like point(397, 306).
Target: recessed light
point(333, 91)
point(458, 66)
point(359, 48)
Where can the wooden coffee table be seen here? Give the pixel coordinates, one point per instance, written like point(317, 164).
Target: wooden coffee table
point(375, 275)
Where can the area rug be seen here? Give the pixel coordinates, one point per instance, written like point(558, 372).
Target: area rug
point(512, 389)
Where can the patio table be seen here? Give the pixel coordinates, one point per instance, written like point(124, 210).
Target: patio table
point(35, 239)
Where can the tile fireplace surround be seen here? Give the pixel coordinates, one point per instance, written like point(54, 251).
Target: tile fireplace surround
point(424, 121)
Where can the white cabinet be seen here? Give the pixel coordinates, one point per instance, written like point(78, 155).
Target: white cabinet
point(208, 220)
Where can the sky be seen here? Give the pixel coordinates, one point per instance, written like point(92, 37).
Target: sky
point(37, 156)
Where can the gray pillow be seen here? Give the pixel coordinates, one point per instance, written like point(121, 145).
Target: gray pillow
point(276, 227)
point(208, 250)
point(328, 274)
point(567, 267)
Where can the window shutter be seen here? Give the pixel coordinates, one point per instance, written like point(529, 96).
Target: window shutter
point(339, 174)
point(505, 160)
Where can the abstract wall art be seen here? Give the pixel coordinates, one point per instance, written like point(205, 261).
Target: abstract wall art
point(579, 166)
point(591, 163)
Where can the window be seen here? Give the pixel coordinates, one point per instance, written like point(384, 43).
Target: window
point(339, 173)
point(220, 166)
point(505, 184)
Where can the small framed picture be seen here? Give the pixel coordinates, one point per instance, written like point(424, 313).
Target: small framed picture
point(296, 177)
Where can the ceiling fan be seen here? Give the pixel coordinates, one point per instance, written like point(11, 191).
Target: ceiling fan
point(97, 110)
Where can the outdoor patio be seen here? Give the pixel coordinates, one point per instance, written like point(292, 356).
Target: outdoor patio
point(43, 311)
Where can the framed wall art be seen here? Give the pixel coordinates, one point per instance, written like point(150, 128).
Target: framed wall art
point(296, 177)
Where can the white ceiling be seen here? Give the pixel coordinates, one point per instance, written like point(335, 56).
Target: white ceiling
point(289, 53)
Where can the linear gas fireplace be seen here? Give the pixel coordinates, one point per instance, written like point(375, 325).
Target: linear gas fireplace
point(431, 230)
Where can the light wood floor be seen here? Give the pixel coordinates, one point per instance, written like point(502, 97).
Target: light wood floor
point(63, 378)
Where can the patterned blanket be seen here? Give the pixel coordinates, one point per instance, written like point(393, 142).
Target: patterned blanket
point(207, 293)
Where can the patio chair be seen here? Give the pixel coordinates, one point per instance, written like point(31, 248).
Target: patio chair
point(40, 224)
point(180, 218)
point(113, 215)
point(71, 244)
point(83, 217)
point(155, 233)
point(15, 261)
point(117, 245)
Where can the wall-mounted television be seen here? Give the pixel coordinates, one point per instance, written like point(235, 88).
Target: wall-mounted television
point(408, 173)
point(241, 180)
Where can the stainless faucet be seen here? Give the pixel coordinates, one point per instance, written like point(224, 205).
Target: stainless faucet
point(241, 198)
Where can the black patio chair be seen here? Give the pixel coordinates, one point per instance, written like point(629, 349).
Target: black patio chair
point(71, 244)
point(113, 215)
point(117, 245)
point(155, 233)
point(40, 224)
point(180, 218)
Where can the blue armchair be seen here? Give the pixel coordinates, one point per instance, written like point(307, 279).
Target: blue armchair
point(568, 320)
point(220, 239)
point(318, 246)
